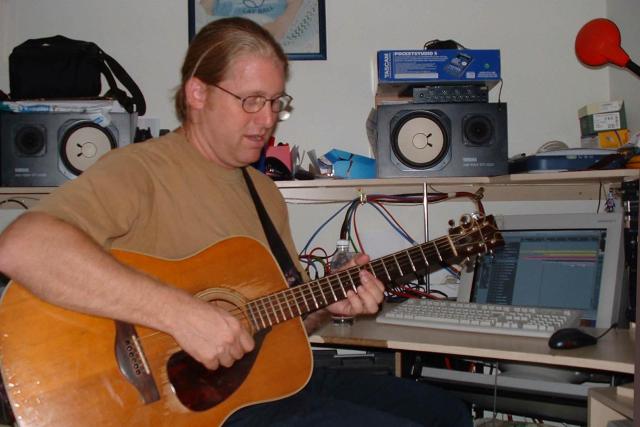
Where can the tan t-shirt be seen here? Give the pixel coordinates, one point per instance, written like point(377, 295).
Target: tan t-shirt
point(162, 198)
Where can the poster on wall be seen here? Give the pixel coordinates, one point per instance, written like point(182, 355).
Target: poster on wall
point(298, 25)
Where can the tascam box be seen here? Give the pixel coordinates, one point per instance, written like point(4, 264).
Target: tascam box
point(439, 65)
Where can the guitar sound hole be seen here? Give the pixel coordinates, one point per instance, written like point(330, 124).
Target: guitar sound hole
point(199, 388)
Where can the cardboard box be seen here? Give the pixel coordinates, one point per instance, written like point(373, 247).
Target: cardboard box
point(344, 164)
point(611, 139)
point(602, 117)
point(439, 65)
point(601, 107)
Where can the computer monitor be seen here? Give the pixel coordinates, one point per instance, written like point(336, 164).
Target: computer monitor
point(556, 261)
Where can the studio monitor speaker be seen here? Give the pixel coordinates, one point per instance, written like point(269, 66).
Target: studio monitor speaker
point(457, 139)
point(47, 149)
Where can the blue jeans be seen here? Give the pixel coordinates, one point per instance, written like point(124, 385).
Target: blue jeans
point(350, 398)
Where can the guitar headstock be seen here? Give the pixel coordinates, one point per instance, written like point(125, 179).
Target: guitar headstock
point(475, 234)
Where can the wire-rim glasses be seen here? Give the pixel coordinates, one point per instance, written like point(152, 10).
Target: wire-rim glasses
point(255, 103)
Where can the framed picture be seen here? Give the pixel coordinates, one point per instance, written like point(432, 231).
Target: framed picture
point(298, 25)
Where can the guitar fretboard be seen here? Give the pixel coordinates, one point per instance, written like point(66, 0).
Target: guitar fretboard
point(311, 296)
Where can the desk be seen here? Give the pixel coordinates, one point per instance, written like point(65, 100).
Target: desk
point(609, 404)
point(613, 353)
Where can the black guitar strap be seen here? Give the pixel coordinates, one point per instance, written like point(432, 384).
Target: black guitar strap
point(278, 248)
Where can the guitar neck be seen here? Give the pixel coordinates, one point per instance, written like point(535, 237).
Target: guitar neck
point(311, 296)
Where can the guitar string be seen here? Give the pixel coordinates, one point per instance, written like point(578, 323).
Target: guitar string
point(340, 283)
point(336, 285)
point(238, 312)
point(277, 304)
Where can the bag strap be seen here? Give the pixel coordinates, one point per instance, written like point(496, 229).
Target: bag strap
point(291, 273)
point(111, 67)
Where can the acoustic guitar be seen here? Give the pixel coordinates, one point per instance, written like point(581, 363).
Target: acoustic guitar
point(64, 368)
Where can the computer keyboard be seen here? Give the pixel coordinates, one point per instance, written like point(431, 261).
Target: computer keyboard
point(485, 318)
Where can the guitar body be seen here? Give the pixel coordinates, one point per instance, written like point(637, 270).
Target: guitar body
point(60, 369)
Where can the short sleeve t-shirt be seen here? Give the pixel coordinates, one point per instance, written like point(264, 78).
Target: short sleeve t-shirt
point(162, 198)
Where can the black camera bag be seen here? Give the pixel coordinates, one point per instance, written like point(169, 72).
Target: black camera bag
point(61, 68)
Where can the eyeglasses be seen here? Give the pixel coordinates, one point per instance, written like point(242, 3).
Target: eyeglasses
point(254, 103)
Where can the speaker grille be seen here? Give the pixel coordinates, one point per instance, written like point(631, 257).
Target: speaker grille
point(30, 141)
point(83, 144)
point(420, 139)
point(448, 139)
point(477, 129)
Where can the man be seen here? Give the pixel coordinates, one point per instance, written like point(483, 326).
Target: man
point(176, 195)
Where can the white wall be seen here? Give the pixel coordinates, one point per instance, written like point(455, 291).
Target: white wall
point(544, 83)
point(147, 37)
point(624, 84)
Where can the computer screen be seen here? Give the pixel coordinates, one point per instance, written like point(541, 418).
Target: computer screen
point(557, 261)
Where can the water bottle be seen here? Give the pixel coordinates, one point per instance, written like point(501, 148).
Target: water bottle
point(341, 257)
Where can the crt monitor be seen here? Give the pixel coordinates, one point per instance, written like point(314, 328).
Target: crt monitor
point(556, 261)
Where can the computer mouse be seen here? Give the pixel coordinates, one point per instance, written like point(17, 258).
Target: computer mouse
point(569, 338)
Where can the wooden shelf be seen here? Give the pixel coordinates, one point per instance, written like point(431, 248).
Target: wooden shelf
point(607, 404)
point(26, 190)
point(583, 185)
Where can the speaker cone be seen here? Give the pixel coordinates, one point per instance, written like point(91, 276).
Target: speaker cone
point(419, 139)
point(83, 144)
point(477, 129)
point(30, 141)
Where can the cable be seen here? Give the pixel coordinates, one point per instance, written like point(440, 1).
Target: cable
point(313, 236)
point(495, 388)
point(399, 230)
point(613, 326)
point(500, 91)
point(600, 192)
point(16, 201)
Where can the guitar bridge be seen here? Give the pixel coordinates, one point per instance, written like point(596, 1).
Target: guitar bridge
point(133, 364)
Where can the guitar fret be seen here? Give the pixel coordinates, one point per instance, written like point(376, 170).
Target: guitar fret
point(264, 325)
point(413, 267)
point(380, 274)
point(284, 304)
point(335, 297)
point(438, 252)
point(385, 270)
point(252, 315)
point(372, 270)
point(426, 261)
point(353, 285)
point(305, 297)
point(295, 300)
point(326, 302)
point(315, 302)
point(269, 311)
point(453, 247)
point(284, 316)
point(398, 264)
point(287, 299)
point(279, 305)
point(344, 291)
